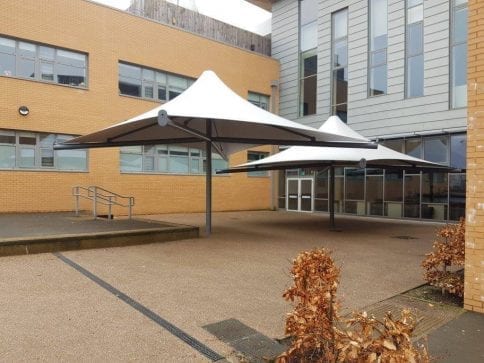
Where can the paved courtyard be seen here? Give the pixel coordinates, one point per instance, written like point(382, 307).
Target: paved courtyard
point(51, 311)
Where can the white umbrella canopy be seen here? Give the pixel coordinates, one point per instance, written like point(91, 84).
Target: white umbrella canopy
point(210, 114)
point(303, 156)
point(321, 157)
point(210, 110)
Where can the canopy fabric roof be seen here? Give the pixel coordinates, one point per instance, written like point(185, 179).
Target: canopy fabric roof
point(236, 124)
point(305, 156)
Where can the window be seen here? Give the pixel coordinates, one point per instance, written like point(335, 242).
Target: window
point(29, 150)
point(414, 75)
point(149, 83)
point(436, 149)
point(378, 48)
point(459, 54)
point(167, 159)
point(339, 50)
point(308, 60)
point(254, 156)
point(259, 100)
point(458, 149)
point(28, 60)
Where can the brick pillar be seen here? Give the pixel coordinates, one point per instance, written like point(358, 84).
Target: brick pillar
point(474, 264)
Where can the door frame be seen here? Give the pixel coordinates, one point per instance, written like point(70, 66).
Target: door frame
point(299, 196)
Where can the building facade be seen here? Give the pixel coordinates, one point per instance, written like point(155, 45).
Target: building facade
point(474, 254)
point(70, 67)
point(395, 71)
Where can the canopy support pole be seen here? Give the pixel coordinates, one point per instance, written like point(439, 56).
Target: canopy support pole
point(331, 198)
point(208, 180)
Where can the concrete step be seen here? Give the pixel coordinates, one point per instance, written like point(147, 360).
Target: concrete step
point(65, 242)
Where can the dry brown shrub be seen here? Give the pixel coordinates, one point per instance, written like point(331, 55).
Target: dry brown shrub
point(448, 253)
point(318, 334)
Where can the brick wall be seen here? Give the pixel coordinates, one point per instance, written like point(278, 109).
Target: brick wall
point(474, 267)
point(108, 35)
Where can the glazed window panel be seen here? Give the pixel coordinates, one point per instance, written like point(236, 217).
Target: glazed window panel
point(458, 53)
point(254, 156)
point(152, 84)
point(377, 83)
point(259, 100)
point(29, 60)
point(436, 149)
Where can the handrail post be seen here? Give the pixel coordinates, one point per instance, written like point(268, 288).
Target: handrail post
point(110, 203)
point(76, 194)
point(130, 205)
point(94, 203)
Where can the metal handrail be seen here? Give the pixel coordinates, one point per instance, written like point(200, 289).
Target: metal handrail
point(101, 196)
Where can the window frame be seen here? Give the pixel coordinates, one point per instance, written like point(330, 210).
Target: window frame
point(260, 155)
point(452, 45)
point(409, 56)
point(194, 156)
point(154, 83)
point(38, 60)
point(371, 66)
point(37, 149)
point(302, 55)
point(333, 105)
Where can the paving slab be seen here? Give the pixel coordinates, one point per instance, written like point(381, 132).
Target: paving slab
point(240, 273)
point(460, 340)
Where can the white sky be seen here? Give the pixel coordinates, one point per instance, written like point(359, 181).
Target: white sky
point(239, 13)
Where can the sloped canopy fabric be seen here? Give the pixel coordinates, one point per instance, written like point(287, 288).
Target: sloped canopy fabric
point(304, 156)
point(329, 157)
point(210, 114)
point(236, 124)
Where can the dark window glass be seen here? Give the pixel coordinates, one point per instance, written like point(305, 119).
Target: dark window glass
point(436, 149)
point(340, 86)
point(460, 25)
point(413, 147)
point(434, 188)
point(458, 150)
point(355, 184)
point(415, 39)
point(130, 86)
point(415, 76)
point(7, 139)
point(393, 185)
point(457, 196)
point(378, 84)
point(459, 75)
point(412, 196)
point(340, 57)
point(7, 64)
point(70, 75)
point(26, 68)
point(396, 145)
point(162, 93)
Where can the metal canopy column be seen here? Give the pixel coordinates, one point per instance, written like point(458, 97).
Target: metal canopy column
point(331, 197)
point(208, 180)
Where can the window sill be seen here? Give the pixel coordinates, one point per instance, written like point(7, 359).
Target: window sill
point(142, 98)
point(166, 173)
point(43, 170)
point(46, 82)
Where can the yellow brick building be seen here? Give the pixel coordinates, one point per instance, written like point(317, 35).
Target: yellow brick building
point(474, 265)
point(93, 43)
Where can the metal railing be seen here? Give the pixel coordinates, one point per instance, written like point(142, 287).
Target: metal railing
point(101, 196)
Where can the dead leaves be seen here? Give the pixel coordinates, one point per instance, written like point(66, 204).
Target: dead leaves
point(448, 251)
point(318, 332)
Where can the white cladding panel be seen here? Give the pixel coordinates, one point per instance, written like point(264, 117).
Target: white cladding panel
point(379, 116)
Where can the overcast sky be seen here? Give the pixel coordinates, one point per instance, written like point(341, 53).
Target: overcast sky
point(236, 12)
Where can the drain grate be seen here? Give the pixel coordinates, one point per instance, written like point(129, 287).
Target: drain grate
point(405, 237)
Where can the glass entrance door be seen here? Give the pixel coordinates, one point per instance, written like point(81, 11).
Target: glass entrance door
point(292, 202)
point(300, 195)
